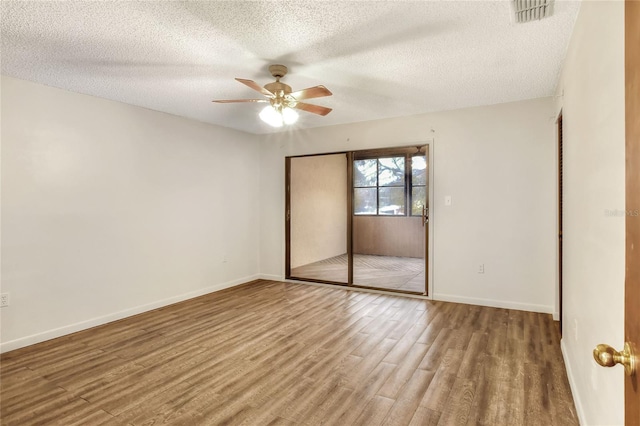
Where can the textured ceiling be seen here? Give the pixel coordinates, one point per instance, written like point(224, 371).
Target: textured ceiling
point(379, 58)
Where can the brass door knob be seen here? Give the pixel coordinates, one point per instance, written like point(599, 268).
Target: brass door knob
point(607, 356)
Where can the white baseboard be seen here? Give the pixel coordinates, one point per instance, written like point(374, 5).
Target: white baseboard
point(556, 316)
point(94, 322)
point(270, 277)
point(505, 304)
point(572, 384)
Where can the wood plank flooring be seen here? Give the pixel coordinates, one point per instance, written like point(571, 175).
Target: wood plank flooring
point(272, 353)
point(384, 272)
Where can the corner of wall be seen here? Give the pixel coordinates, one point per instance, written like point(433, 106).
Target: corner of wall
point(572, 383)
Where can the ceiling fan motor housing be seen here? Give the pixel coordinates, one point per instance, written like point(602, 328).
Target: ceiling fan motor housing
point(278, 71)
point(278, 89)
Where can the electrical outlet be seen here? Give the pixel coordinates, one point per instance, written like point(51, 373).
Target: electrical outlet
point(4, 300)
point(481, 268)
point(447, 200)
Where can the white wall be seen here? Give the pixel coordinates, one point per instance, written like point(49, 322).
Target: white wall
point(497, 163)
point(594, 243)
point(318, 208)
point(110, 209)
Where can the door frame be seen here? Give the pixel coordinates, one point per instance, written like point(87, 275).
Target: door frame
point(632, 204)
point(560, 186)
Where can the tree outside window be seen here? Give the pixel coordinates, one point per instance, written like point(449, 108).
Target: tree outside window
point(418, 184)
point(381, 186)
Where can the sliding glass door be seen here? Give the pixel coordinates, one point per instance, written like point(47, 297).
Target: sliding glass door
point(359, 218)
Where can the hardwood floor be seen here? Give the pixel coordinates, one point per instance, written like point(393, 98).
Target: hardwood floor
point(272, 353)
point(384, 272)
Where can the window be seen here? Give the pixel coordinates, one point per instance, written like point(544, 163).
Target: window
point(418, 184)
point(384, 186)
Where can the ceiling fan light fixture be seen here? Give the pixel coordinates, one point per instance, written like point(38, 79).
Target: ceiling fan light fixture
point(289, 115)
point(276, 117)
point(270, 116)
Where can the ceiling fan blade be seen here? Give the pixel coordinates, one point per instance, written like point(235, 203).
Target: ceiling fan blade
point(315, 109)
point(311, 92)
point(228, 101)
point(252, 84)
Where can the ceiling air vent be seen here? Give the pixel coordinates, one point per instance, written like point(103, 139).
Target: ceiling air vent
point(532, 10)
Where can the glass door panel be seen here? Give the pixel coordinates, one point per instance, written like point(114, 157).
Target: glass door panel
point(317, 217)
point(390, 193)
